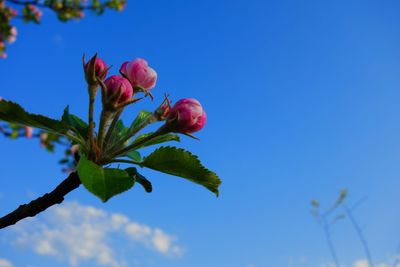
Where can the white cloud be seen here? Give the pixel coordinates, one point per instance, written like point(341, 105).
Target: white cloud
point(5, 263)
point(364, 263)
point(361, 263)
point(78, 233)
point(331, 264)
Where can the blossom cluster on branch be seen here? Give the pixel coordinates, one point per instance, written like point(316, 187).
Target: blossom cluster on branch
point(32, 11)
point(94, 155)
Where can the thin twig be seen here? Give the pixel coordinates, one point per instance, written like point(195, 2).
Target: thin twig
point(360, 234)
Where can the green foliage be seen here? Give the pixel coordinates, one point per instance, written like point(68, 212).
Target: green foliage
point(179, 162)
point(315, 203)
point(143, 119)
point(103, 182)
point(156, 140)
point(119, 132)
point(342, 196)
point(14, 113)
point(75, 123)
point(140, 179)
point(135, 156)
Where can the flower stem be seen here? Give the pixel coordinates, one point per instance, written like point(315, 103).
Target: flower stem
point(126, 138)
point(112, 127)
point(104, 119)
point(161, 131)
point(92, 96)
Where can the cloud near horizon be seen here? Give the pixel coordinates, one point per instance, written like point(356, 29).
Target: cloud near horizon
point(76, 233)
point(5, 263)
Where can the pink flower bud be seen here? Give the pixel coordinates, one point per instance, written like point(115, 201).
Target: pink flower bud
point(44, 139)
point(119, 90)
point(74, 149)
point(187, 116)
point(162, 112)
point(28, 131)
point(139, 73)
point(13, 12)
point(12, 37)
point(3, 55)
point(100, 68)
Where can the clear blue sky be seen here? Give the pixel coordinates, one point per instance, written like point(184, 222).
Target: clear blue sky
point(302, 100)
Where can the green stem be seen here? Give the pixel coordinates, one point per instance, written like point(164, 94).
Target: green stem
point(126, 138)
point(104, 119)
point(125, 161)
point(92, 96)
point(112, 127)
point(161, 131)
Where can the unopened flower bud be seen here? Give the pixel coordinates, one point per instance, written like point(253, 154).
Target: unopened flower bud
point(12, 12)
point(28, 131)
point(44, 139)
point(74, 149)
point(162, 112)
point(118, 91)
point(12, 37)
point(100, 67)
point(187, 116)
point(34, 13)
point(139, 74)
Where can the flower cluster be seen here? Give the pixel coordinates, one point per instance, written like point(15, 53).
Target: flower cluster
point(31, 11)
point(118, 91)
point(186, 116)
point(94, 148)
point(8, 33)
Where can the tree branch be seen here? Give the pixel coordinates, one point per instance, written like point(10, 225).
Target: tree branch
point(44, 5)
point(40, 204)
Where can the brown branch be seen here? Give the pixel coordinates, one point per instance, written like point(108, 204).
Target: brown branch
point(44, 5)
point(40, 204)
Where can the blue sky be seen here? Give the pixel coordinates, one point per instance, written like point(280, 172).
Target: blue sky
point(302, 101)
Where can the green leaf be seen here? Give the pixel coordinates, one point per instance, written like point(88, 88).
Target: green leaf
point(14, 113)
point(119, 132)
point(75, 123)
point(157, 140)
point(182, 163)
point(140, 179)
point(143, 119)
point(103, 182)
point(315, 203)
point(342, 196)
point(135, 156)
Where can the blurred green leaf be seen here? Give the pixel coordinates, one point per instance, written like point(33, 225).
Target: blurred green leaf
point(14, 113)
point(342, 196)
point(315, 203)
